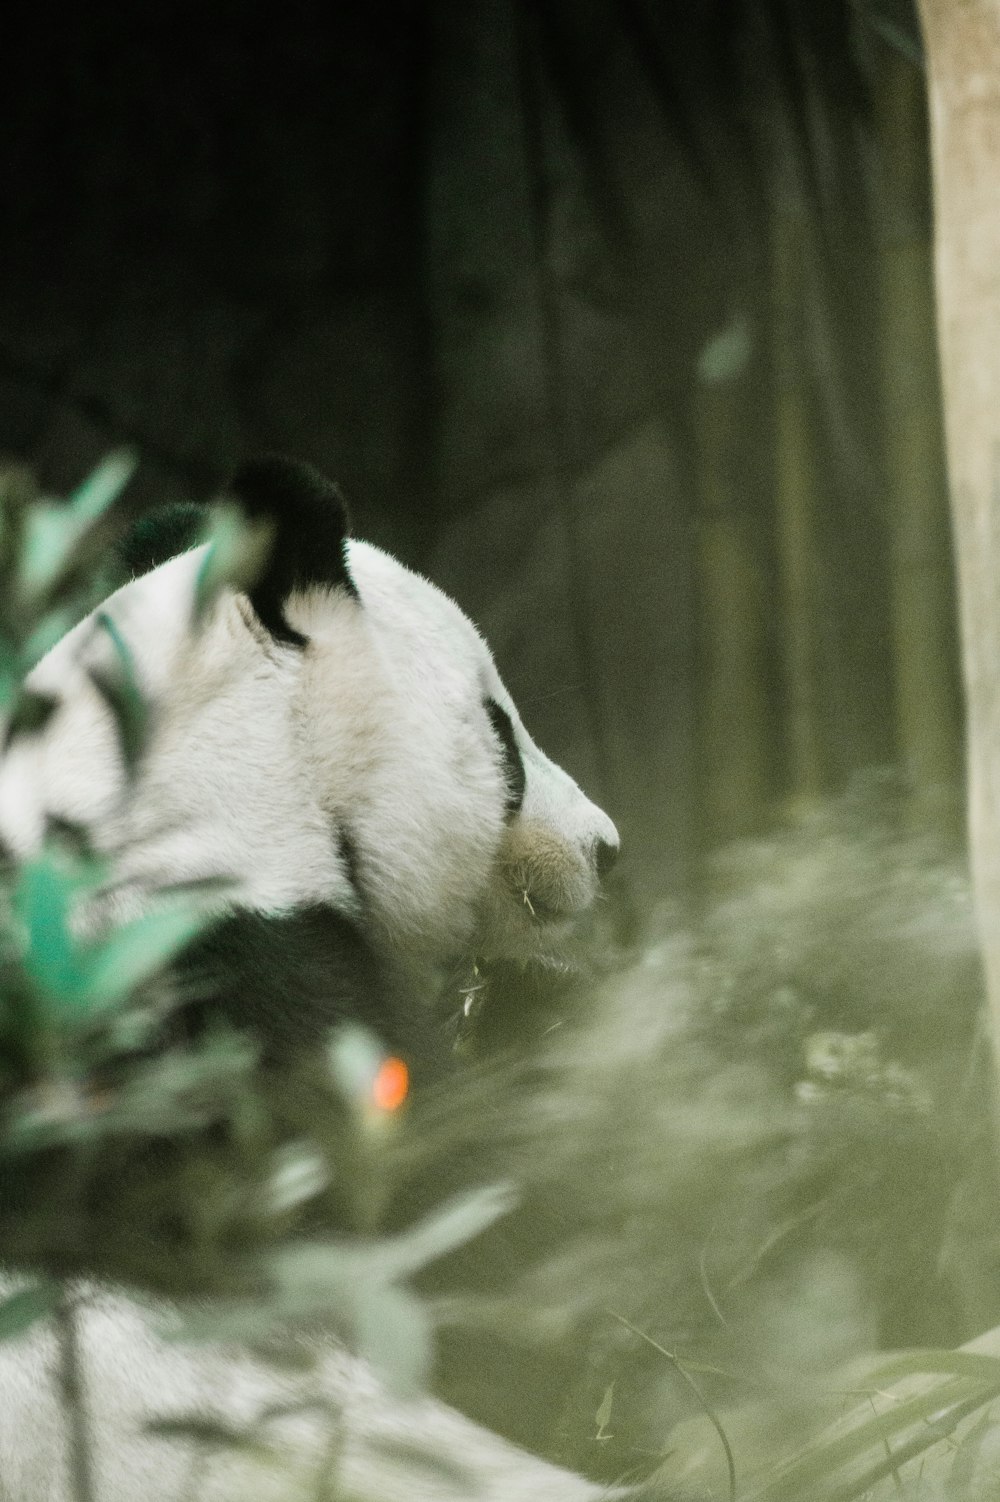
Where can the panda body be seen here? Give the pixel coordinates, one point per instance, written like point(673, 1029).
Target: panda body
point(337, 748)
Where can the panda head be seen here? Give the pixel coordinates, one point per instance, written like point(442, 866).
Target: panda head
point(336, 737)
point(462, 835)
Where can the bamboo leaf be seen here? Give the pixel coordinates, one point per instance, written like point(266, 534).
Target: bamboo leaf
point(914, 1363)
point(889, 1462)
point(41, 903)
point(50, 629)
point(237, 550)
point(104, 485)
point(354, 1056)
point(119, 686)
point(138, 950)
point(817, 1463)
point(298, 1173)
point(393, 1332)
point(53, 534)
point(458, 1221)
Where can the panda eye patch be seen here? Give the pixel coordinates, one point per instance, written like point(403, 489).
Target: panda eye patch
point(513, 766)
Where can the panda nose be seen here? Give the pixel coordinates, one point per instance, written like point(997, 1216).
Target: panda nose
point(605, 855)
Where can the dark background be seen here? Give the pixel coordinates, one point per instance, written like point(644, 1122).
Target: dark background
point(613, 317)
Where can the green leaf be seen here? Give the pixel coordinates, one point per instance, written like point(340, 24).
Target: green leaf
point(319, 1276)
point(915, 1363)
point(86, 979)
point(53, 534)
point(602, 1417)
point(393, 1333)
point(10, 680)
point(938, 1427)
point(298, 1173)
point(138, 950)
point(50, 629)
point(119, 686)
point(821, 1462)
point(387, 1324)
point(237, 551)
point(355, 1056)
point(26, 1307)
point(41, 902)
point(103, 485)
point(458, 1221)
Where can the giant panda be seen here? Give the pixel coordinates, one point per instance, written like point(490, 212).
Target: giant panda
point(335, 747)
point(332, 758)
point(332, 755)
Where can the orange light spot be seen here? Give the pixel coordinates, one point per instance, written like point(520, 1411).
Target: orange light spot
point(391, 1085)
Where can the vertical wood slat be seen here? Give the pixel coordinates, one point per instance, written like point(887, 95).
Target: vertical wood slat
point(962, 43)
point(927, 713)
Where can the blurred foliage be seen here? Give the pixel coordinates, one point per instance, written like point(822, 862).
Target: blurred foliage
point(752, 1153)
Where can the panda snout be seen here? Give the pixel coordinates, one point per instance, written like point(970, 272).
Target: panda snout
point(551, 876)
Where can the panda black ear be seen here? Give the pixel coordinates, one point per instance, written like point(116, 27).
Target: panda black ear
point(311, 528)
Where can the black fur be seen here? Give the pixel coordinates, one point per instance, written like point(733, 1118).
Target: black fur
point(311, 526)
point(348, 850)
point(157, 536)
point(512, 764)
point(289, 978)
